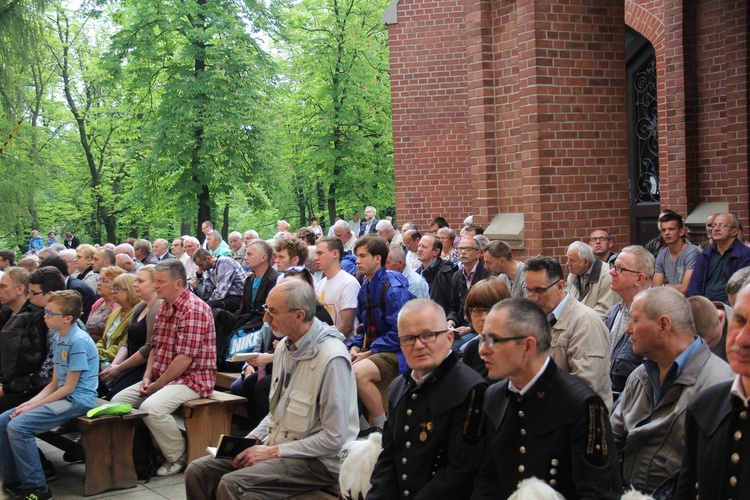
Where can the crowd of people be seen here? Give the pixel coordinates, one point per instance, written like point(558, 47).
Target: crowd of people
point(480, 370)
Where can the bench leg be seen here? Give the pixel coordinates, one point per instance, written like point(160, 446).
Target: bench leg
point(204, 425)
point(109, 456)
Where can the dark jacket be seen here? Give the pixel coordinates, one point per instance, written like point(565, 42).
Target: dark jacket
point(459, 291)
point(73, 244)
point(255, 308)
point(716, 460)
point(88, 296)
point(439, 278)
point(25, 360)
point(739, 258)
point(558, 432)
point(367, 227)
point(433, 439)
point(166, 256)
point(623, 360)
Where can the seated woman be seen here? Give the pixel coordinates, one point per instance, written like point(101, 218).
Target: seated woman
point(116, 329)
point(103, 308)
point(84, 263)
point(480, 299)
point(129, 365)
point(255, 383)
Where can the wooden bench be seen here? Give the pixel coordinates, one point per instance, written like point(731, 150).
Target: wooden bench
point(206, 419)
point(224, 379)
point(107, 446)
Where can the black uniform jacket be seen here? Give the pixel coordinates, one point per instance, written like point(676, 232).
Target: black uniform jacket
point(558, 432)
point(433, 439)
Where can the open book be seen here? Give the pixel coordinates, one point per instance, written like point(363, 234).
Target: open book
point(243, 356)
point(230, 446)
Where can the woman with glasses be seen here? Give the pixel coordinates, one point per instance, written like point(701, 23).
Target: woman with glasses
point(479, 301)
point(116, 330)
point(84, 264)
point(106, 305)
point(129, 364)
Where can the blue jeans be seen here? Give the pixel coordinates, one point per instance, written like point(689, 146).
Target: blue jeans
point(19, 458)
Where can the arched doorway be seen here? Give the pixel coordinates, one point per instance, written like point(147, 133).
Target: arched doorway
point(643, 140)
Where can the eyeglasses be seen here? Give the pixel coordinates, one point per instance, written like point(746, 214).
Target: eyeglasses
point(722, 226)
point(467, 249)
point(105, 281)
point(539, 291)
point(273, 314)
point(117, 289)
point(425, 338)
point(620, 269)
point(599, 238)
point(48, 312)
point(491, 341)
point(34, 294)
point(478, 311)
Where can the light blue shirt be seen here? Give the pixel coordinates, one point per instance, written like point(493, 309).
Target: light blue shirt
point(417, 284)
point(77, 352)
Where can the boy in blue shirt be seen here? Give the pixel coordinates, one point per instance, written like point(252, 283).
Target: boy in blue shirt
point(70, 393)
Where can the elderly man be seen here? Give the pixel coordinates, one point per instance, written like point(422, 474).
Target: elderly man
point(433, 442)
point(313, 411)
point(719, 261)
point(675, 262)
point(580, 341)
point(127, 250)
point(368, 225)
point(343, 231)
point(601, 243)
point(708, 325)
point(588, 279)
point(249, 236)
point(237, 247)
point(438, 273)
point(222, 280)
point(143, 252)
point(191, 245)
point(648, 422)
point(397, 262)
point(411, 243)
point(717, 423)
point(469, 273)
point(541, 421)
point(161, 250)
point(217, 246)
point(630, 275)
point(386, 231)
point(181, 365)
point(498, 259)
point(206, 227)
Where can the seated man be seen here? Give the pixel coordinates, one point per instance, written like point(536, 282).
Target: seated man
point(396, 261)
point(143, 252)
point(181, 365)
point(237, 246)
point(469, 273)
point(290, 252)
point(438, 273)
point(498, 259)
point(675, 262)
point(588, 278)
point(541, 421)
point(259, 282)
point(375, 351)
point(313, 411)
point(222, 280)
point(433, 442)
point(127, 250)
point(580, 341)
point(337, 290)
point(14, 285)
point(161, 250)
point(716, 456)
point(648, 423)
point(216, 245)
point(601, 242)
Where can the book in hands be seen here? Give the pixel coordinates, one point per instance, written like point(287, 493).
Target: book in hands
point(230, 446)
point(243, 356)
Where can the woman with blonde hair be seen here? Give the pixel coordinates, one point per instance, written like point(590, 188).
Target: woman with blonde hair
point(103, 308)
point(84, 261)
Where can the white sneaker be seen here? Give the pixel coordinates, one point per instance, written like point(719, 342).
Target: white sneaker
point(170, 468)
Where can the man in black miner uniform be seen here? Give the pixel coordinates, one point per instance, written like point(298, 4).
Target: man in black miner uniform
point(541, 421)
point(433, 439)
point(716, 461)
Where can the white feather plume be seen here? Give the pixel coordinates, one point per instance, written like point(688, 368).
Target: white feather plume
point(357, 468)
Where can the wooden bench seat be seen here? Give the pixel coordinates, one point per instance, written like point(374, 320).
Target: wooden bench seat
point(107, 446)
point(206, 419)
point(224, 379)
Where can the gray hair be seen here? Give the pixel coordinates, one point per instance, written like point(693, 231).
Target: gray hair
point(215, 234)
point(67, 255)
point(417, 305)
point(253, 234)
point(344, 226)
point(666, 301)
point(526, 319)
point(125, 248)
point(374, 210)
point(481, 240)
point(450, 233)
point(174, 268)
point(396, 252)
point(59, 247)
point(705, 316)
point(19, 276)
point(300, 296)
point(235, 233)
point(585, 252)
point(644, 260)
point(191, 239)
point(263, 245)
point(162, 241)
point(384, 225)
point(737, 281)
point(142, 245)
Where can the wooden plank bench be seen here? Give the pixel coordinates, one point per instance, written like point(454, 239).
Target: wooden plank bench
point(224, 379)
point(206, 419)
point(107, 446)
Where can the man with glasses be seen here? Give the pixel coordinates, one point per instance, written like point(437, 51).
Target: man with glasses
point(630, 275)
point(601, 242)
point(433, 443)
point(472, 271)
point(719, 261)
point(541, 421)
point(580, 341)
point(313, 411)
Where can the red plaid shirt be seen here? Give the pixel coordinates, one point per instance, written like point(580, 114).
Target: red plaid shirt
point(186, 327)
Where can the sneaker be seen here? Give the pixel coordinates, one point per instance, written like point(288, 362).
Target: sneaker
point(12, 490)
point(170, 468)
point(43, 493)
